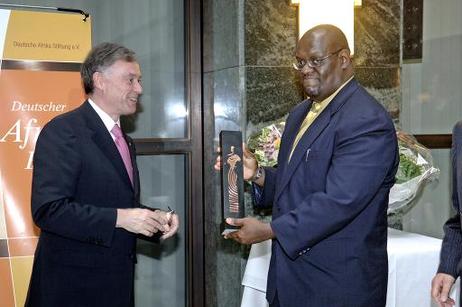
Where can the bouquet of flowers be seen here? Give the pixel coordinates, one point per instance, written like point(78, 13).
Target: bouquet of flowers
point(415, 167)
point(265, 144)
point(415, 162)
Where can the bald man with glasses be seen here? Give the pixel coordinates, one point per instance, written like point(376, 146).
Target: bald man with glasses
point(329, 192)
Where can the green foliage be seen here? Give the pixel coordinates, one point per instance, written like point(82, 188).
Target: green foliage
point(407, 169)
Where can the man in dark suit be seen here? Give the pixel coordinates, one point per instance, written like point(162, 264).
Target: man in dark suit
point(329, 192)
point(451, 249)
point(85, 193)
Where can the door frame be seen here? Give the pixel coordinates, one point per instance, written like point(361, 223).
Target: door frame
point(192, 148)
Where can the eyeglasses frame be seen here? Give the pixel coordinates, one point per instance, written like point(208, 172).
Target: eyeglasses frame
point(312, 62)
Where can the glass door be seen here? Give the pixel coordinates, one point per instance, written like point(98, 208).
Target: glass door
point(167, 133)
point(160, 276)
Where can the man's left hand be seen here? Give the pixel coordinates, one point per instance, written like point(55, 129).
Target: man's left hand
point(251, 230)
point(173, 223)
point(441, 286)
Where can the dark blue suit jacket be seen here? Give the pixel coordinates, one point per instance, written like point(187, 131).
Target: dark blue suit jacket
point(451, 249)
point(330, 205)
point(79, 180)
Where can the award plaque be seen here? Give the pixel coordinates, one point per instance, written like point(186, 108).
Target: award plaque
point(232, 178)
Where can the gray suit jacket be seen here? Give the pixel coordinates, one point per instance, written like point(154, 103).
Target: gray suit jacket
point(451, 250)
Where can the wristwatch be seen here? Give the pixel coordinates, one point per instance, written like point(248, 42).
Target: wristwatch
point(258, 173)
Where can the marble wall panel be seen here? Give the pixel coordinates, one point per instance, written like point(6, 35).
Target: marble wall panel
point(271, 92)
point(270, 32)
point(222, 34)
point(223, 258)
point(377, 33)
point(384, 84)
point(378, 77)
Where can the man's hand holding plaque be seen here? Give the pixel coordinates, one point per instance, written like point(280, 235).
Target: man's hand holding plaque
point(237, 164)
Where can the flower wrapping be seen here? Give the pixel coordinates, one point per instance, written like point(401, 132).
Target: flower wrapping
point(415, 162)
point(415, 168)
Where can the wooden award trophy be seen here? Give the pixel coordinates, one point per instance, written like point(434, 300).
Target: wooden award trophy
point(232, 177)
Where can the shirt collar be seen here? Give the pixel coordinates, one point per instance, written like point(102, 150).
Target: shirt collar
point(322, 104)
point(107, 120)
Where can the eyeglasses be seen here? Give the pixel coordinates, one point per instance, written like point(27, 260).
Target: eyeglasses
point(313, 62)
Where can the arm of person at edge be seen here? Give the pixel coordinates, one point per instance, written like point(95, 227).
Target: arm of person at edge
point(441, 286)
point(451, 253)
point(446, 276)
point(251, 229)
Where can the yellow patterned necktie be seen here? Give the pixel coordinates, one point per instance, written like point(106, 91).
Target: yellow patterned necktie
point(315, 109)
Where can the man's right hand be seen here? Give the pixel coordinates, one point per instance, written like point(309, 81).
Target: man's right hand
point(441, 286)
point(143, 221)
point(250, 164)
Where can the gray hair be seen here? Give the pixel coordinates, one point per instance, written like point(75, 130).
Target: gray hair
point(101, 57)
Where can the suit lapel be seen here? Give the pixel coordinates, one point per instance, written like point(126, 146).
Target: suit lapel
point(302, 149)
point(290, 132)
point(104, 141)
point(316, 128)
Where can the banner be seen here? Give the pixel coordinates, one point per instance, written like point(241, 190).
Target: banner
point(39, 79)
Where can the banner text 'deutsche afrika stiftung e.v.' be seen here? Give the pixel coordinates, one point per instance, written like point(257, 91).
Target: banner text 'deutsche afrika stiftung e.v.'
point(39, 79)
